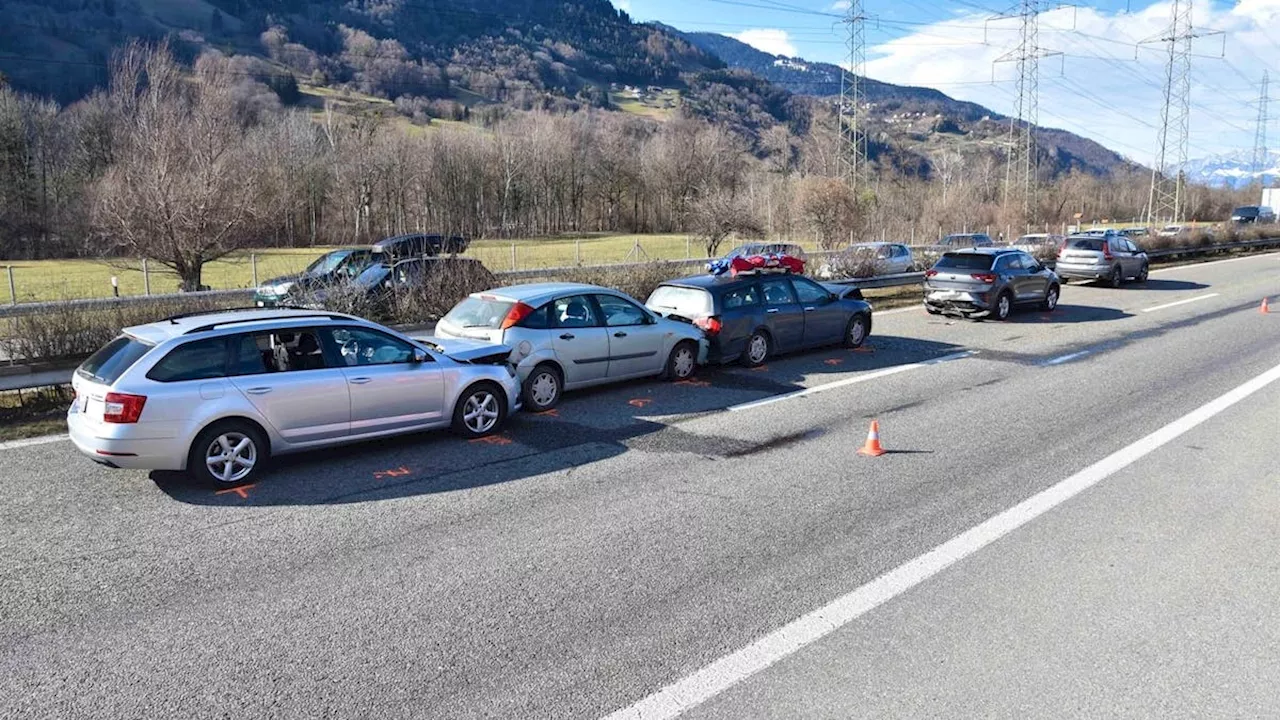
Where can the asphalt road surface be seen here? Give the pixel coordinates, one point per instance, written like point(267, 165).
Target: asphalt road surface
point(1077, 516)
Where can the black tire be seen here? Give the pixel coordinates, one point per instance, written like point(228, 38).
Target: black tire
point(682, 363)
point(753, 342)
point(1145, 273)
point(1051, 298)
point(226, 436)
point(1116, 278)
point(544, 378)
point(856, 332)
point(1003, 307)
point(496, 400)
point(931, 310)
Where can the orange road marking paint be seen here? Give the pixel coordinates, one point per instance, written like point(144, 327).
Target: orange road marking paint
point(397, 472)
point(760, 368)
point(639, 402)
point(691, 382)
point(242, 491)
point(549, 413)
point(833, 361)
point(493, 440)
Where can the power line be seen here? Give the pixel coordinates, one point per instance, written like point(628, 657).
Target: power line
point(854, 165)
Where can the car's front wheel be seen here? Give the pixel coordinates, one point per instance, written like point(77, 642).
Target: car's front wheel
point(543, 389)
point(228, 454)
point(480, 411)
point(683, 361)
point(1050, 299)
point(1145, 273)
point(855, 333)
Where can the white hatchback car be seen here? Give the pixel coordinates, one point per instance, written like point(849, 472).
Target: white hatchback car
point(568, 335)
point(217, 393)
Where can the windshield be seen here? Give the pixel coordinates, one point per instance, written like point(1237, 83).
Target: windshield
point(1245, 211)
point(328, 262)
point(686, 302)
point(485, 311)
point(373, 276)
point(108, 364)
point(965, 261)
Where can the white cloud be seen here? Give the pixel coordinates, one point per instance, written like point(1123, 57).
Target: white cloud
point(772, 41)
point(1100, 89)
point(623, 5)
point(842, 5)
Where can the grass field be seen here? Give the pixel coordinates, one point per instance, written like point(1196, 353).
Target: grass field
point(42, 280)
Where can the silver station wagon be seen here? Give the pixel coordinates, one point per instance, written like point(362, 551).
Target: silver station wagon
point(567, 335)
point(217, 393)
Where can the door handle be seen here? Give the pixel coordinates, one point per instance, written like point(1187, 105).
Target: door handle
point(619, 334)
point(808, 309)
point(360, 380)
point(772, 310)
point(566, 336)
point(258, 390)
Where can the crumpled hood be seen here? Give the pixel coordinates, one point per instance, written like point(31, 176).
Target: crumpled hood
point(473, 351)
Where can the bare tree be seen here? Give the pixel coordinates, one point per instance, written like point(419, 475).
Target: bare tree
point(718, 215)
point(829, 208)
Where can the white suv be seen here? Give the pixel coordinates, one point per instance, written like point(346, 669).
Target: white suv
point(217, 393)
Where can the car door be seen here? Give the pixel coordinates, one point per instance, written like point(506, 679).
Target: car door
point(783, 314)
point(580, 339)
point(636, 342)
point(1035, 278)
point(389, 391)
point(288, 379)
point(824, 319)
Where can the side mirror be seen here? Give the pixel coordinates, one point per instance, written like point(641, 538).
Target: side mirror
point(420, 356)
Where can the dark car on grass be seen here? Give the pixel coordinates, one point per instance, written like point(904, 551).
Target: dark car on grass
point(416, 245)
point(753, 317)
point(335, 266)
point(373, 292)
point(988, 282)
point(1253, 214)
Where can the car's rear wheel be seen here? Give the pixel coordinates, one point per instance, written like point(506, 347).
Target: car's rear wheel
point(1004, 306)
point(1117, 277)
point(683, 361)
point(228, 453)
point(1050, 299)
point(481, 410)
point(757, 349)
point(855, 333)
point(543, 389)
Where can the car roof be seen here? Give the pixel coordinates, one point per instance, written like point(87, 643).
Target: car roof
point(709, 281)
point(877, 243)
point(983, 251)
point(541, 292)
point(177, 325)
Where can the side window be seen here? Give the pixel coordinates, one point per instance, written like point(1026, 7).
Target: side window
point(361, 346)
point(1003, 263)
point(539, 319)
point(618, 312)
point(777, 291)
point(280, 351)
point(199, 360)
point(810, 292)
point(745, 296)
point(576, 311)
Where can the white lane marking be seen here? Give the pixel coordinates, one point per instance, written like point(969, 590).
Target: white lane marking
point(1166, 306)
point(26, 442)
point(849, 381)
point(1193, 266)
point(704, 684)
point(895, 311)
point(1067, 358)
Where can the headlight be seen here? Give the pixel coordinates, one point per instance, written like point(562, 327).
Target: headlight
point(282, 288)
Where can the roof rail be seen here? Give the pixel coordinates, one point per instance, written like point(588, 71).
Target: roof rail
point(212, 326)
point(214, 311)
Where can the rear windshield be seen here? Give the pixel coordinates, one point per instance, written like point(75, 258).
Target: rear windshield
point(108, 364)
point(965, 261)
point(1246, 211)
point(479, 312)
point(1094, 244)
point(692, 303)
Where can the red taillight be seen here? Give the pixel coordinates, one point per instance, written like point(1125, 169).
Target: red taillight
point(930, 273)
point(518, 312)
point(710, 325)
point(122, 408)
point(1106, 250)
point(988, 278)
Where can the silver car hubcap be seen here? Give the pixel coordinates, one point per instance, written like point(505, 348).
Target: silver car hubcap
point(1004, 307)
point(759, 348)
point(480, 413)
point(231, 457)
point(684, 363)
point(1053, 299)
point(856, 331)
point(544, 389)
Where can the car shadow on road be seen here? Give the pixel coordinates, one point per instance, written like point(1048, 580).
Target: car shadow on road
point(1150, 284)
point(589, 426)
point(1066, 315)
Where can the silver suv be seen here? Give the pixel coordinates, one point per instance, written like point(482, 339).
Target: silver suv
point(1102, 255)
point(217, 393)
point(988, 282)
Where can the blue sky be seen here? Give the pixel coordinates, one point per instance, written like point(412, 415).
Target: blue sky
point(1102, 87)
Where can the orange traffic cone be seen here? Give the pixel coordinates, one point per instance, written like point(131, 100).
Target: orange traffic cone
point(872, 447)
point(1264, 309)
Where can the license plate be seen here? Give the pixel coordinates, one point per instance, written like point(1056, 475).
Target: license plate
point(945, 295)
point(82, 403)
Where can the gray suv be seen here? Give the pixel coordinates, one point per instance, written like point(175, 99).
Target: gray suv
point(988, 282)
point(1105, 255)
point(216, 394)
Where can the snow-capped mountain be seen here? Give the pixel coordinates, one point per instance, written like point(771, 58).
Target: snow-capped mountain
point(1233, 169)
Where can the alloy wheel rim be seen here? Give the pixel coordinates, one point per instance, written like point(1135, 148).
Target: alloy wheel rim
point(231, 457)
point(856, 332)
point(759, 346)
point(684, 363)
point(480, 413)
point(1004, 306)
point(544, 389)
point(1053, 299)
